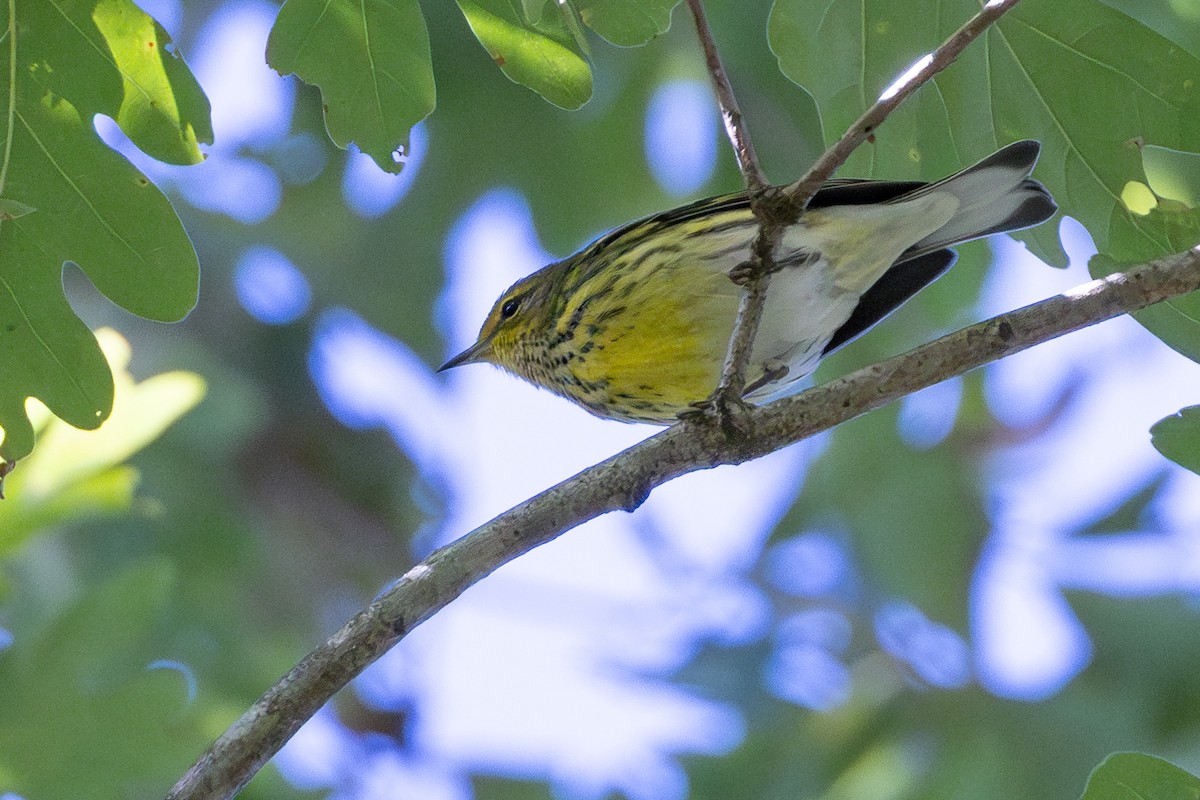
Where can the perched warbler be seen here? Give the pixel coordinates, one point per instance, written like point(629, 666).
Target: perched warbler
point(635, 326)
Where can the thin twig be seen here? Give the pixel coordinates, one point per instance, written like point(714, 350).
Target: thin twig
point(802, 190)
point(626, 479)
point(762, 257)
point(735, 124)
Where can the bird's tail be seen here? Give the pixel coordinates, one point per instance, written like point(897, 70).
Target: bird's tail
point(994, 196)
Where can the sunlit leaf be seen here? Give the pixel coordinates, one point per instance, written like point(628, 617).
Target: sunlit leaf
point(163, 109)
point(370, 59)
point(1172, 174)
point(1178, 437)
point(75, 472)
point(1138, 776)
point(110, 57)
point(544, 57)
point(84, 203)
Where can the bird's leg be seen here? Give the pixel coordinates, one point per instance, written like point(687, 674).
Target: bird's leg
point(799, 258)
point(740, 274)
point(724, 408)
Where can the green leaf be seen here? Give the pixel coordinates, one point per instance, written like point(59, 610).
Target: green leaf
point(544, 56)
point(1137, 776)
point(371, 60)
point(570, 23)
point(76, 473)
point(1173, 175)
point(627, 23)
point(163, 109)
point(110, 57)
point(80, 713)
point(1178, 20)
point(1178, 437)
point(534, 10)
point(86, 203)
point(1085, 79)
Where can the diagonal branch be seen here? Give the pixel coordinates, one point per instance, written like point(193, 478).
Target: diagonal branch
point(626, 479)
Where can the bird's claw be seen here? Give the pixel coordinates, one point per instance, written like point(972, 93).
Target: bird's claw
point(723, 408)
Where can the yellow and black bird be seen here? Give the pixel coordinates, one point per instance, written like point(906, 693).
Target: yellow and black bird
point(635, 326)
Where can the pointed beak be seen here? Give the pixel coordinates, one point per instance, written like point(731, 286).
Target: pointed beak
point(472, 355)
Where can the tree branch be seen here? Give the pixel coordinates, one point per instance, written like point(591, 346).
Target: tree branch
point(626, 479)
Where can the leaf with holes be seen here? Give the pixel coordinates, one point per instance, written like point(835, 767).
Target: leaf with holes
point(371, 60)
point(67, 197)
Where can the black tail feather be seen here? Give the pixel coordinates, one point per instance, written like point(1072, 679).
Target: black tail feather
point(900, 282)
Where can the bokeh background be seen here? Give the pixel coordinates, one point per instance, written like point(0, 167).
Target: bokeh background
point(980, 591)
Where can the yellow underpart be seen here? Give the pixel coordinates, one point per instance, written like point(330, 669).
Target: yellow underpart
point(668, 345)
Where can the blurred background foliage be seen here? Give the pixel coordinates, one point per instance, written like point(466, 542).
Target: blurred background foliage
point(977, 593)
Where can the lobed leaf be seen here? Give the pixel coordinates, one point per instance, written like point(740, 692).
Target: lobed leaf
point(67, 197)
point(370, 59)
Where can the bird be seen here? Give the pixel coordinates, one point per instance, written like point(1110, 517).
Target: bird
point(635, 326)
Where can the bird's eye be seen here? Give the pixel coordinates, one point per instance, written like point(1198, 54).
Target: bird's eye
point(509, 308)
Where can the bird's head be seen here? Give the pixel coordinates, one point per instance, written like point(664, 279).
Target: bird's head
point(510, 330)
